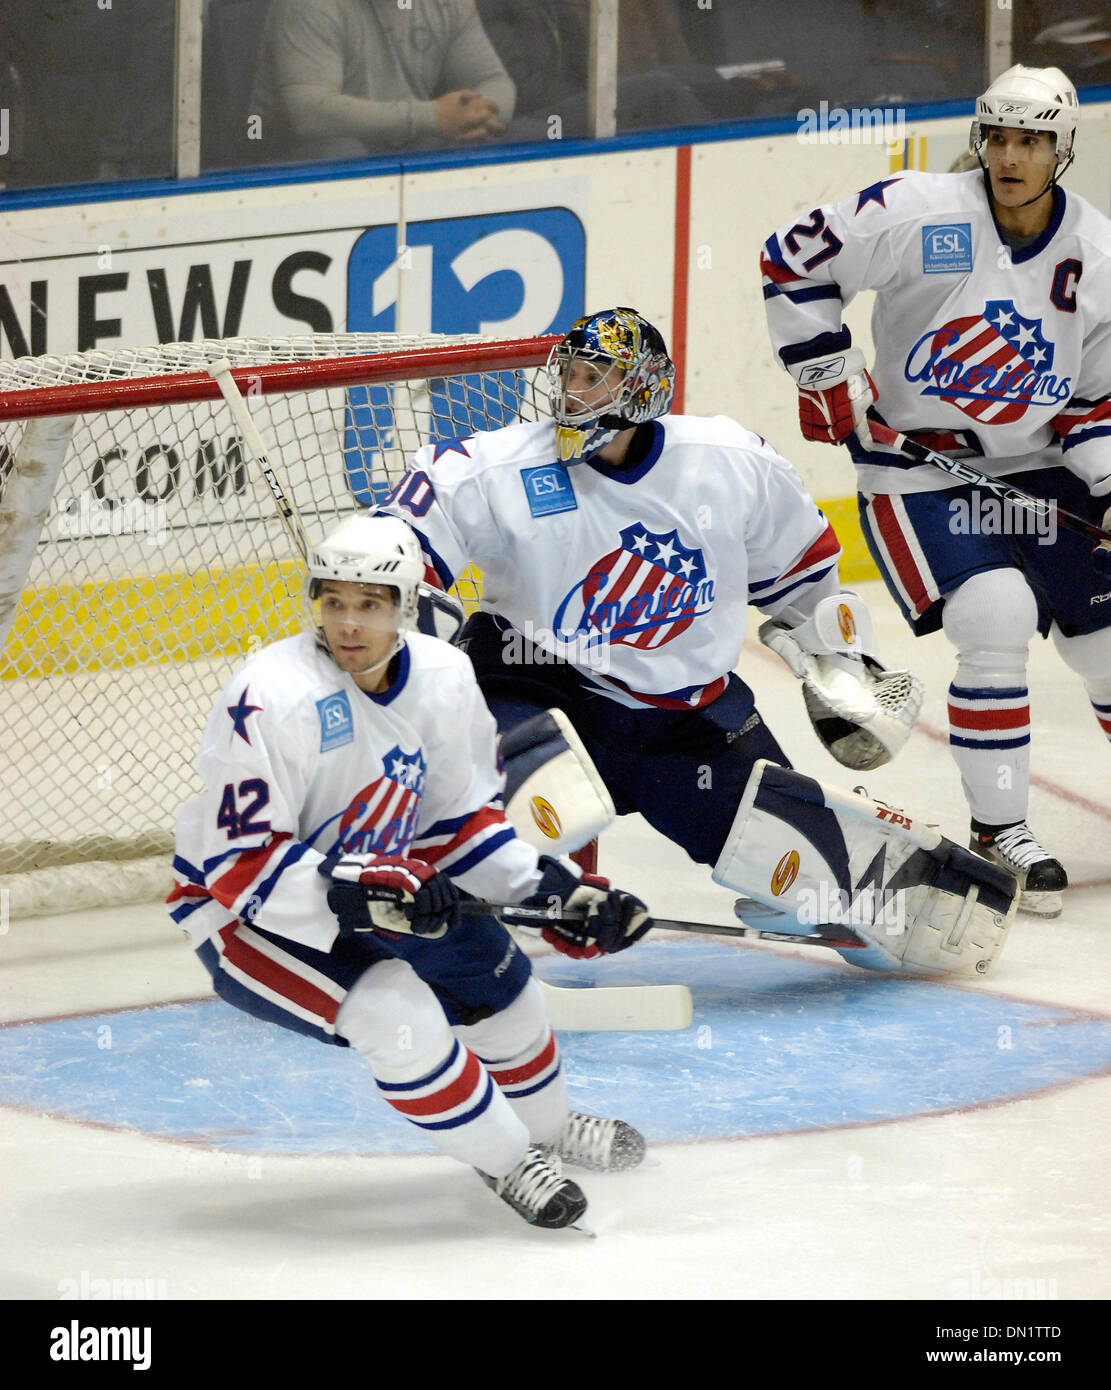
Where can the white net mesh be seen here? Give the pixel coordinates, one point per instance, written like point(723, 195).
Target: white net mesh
point(163, 560)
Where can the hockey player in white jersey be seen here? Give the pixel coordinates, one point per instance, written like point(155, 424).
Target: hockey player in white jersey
point(620, 547)
point(992, 333)
point(351, 795)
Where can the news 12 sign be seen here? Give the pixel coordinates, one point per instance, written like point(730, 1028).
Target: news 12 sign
point(503, 275)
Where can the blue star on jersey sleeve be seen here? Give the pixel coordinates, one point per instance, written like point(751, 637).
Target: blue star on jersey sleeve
point(451, 446)
point(240, 712)
point(874, 194)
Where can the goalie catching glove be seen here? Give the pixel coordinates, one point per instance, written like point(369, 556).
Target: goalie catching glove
point(611, 920)
point(372, 892)
point(861, 712)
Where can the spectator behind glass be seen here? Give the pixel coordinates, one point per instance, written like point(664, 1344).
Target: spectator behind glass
point(545, 45)
point(338, 79)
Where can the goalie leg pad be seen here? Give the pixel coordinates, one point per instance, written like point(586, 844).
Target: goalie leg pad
point(822, 856)
point(554, 797)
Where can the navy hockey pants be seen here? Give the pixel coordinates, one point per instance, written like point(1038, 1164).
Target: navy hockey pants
point(683, 770)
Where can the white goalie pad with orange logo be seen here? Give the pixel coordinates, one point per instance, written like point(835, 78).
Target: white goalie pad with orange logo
point(554, 797)
point(825, 857)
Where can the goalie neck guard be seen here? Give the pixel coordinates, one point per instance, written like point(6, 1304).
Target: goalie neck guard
point(643, 392)
point(367, 549)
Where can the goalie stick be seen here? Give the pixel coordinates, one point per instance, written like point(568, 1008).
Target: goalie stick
point(221, 373)
point(1006, 492)
point(542, 917)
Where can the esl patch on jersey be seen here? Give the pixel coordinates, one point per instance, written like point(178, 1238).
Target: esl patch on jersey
point(548, 489)
point(946, 248)
point(336, 724)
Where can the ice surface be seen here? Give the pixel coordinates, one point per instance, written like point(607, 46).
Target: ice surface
point(885, 1139)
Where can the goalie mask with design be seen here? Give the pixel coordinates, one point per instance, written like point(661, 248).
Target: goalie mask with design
point(611, 372)
point(382, 557)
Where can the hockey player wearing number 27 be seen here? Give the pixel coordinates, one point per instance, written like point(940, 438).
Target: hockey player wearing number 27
point(351, 794)
point(620, 547)
point(992, 333)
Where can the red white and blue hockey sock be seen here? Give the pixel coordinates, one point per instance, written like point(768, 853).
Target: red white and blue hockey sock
point(989, 734)
point(1102, 710)
point(1089, 655)
point(395, 1021)
point(521, 1053)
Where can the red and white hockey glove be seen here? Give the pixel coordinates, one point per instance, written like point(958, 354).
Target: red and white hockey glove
point(835, 391)
point(610, 919)
point(373, 892)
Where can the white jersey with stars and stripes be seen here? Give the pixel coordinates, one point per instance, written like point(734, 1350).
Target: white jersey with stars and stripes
point(980, 349)
point(298, 763)
point(640, 577)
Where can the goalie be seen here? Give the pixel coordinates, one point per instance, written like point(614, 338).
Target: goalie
point(621, 547)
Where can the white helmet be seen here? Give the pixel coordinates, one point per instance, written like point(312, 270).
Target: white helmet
point(366, 549)
point(1029, 99)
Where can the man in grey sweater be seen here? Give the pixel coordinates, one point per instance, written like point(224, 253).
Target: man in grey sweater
point(343, 78)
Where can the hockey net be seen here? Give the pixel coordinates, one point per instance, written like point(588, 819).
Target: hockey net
point(138, 578)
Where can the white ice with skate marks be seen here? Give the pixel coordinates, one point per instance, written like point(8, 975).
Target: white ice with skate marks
point(994, 1201)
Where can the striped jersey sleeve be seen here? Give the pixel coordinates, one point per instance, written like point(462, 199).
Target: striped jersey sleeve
point(239, 853)
point(792, 548)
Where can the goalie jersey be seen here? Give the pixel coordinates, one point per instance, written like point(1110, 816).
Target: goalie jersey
point(640, 576)
point(299, 763)
point(980, 349)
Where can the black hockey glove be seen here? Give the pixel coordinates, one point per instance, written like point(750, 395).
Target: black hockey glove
point(611, 920)
point(372, 892)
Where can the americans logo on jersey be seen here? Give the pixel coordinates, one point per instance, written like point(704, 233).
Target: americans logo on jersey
point(992, 366)
point(643, 594)
point(382, 817)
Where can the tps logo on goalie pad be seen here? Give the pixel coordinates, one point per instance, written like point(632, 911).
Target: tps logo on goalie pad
point(644, 594)
point(546, 818)
point(786, 871)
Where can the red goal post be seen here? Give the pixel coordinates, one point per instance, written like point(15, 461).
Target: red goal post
point(142, 555)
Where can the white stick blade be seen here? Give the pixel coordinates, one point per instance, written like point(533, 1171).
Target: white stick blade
point(627, 1008)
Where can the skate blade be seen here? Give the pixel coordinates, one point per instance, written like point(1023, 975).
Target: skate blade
point(1048, 905)
point(583, 1229)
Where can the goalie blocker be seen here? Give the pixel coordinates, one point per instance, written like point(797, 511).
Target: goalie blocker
point(821, 856)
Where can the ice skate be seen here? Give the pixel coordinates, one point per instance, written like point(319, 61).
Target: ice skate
point(538, 1191)
point(1014, 847)
point(588, 1141)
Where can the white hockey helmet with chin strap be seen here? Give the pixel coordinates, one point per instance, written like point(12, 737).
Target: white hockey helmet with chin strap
point(1036, 99)
point(366, 549)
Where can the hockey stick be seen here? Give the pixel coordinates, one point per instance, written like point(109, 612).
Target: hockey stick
point(540, 917)
point(618, 1008)
point(958, 468)
point(220, 371)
